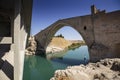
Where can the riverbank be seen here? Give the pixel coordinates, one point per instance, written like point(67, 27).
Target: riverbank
point(57, 44)
point(107, 69)
point(73, 46)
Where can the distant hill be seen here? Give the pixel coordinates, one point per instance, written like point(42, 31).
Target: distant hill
point(59, 42)
point(77, 41)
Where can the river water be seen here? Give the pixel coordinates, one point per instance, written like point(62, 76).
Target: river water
point(40, 68)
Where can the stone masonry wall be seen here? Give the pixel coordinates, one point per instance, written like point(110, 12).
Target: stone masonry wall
point(107, 35)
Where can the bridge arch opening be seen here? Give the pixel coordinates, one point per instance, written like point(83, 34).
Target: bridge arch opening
point(70, 39)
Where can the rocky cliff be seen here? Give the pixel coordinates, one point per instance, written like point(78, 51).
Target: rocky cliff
point(107, 69)
point(32, 45)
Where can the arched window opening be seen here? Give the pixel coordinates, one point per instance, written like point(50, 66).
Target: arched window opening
point(85, 28)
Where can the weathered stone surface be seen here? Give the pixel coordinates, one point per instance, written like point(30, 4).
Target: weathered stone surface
point(31, 49)
point(107, 69)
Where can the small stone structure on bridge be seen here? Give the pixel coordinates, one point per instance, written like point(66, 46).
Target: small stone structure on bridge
point(100, 30)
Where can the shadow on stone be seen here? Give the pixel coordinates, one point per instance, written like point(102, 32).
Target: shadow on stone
point(7, 68)
point(3, 49)
point(116, 66)
point(40, 53)
point(1, 63)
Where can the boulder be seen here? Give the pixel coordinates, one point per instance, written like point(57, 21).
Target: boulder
point(32, 45)
point(107, 69)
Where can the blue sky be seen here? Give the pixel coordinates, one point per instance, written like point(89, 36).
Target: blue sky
point(46, 12)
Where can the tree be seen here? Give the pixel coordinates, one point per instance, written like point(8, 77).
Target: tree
point(60, 35)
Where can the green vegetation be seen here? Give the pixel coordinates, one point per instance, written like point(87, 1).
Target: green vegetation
point(60, 35)
point(73, 46)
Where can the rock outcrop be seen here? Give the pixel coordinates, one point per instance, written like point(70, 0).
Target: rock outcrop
point(32, 45)
point(53, 49)
point(56, 45)
point(107, 69)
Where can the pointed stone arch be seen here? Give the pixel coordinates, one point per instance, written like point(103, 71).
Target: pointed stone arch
point(44, 37)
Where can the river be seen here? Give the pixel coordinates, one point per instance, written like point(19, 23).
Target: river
point(40, 68)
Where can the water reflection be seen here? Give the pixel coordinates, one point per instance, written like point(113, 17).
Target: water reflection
point(56, 55)
point(40, 68)
point(74, 56)
point(36, 68)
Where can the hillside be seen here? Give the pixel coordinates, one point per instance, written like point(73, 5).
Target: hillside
point(57, 44)
point(60, 42)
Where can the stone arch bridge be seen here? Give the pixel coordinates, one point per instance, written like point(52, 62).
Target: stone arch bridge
point(100, 30)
